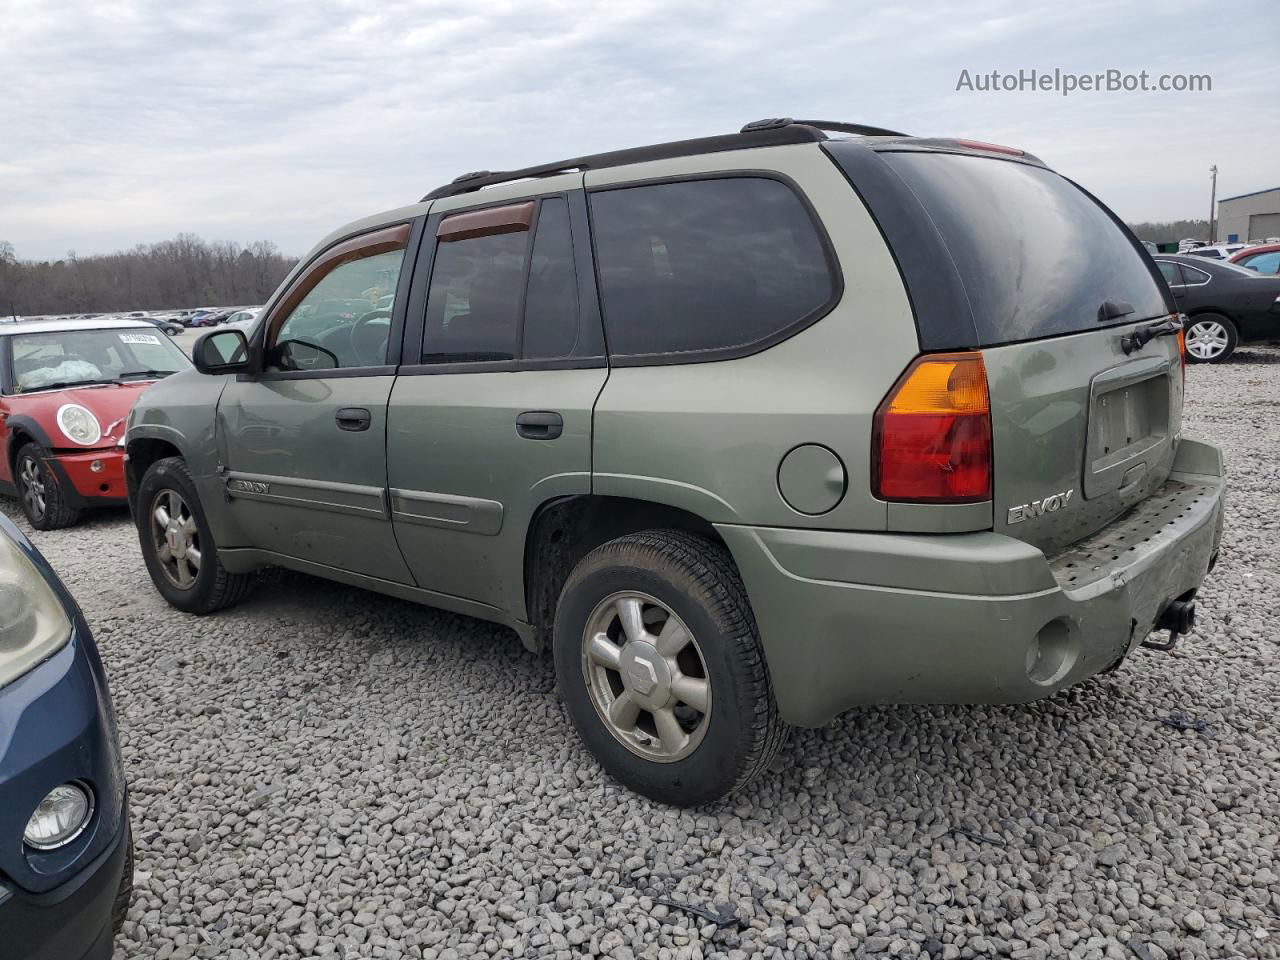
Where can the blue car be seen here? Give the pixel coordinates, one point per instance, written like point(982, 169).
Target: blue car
point(66, 851)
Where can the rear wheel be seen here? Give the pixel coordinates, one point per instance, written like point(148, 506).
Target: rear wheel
point(178, 545)
point(659, 663)
point(38, 491)
point(1210, 338)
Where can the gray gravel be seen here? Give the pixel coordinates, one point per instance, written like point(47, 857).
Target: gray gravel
point(325, 772)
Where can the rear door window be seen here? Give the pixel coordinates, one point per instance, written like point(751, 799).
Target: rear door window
point(501, 293)
point(473, 308)
point(1036, 254)
point(551, 301)
point(707, 267)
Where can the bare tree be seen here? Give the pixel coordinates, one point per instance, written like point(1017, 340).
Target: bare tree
point(10, 279)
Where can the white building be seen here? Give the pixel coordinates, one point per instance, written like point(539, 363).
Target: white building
point(1249, 216)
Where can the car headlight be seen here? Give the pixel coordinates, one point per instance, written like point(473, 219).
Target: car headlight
point(33, 624)
point(79, 424)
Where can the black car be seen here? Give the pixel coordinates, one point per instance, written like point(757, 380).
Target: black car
point(1226, 305)
point(168, 325)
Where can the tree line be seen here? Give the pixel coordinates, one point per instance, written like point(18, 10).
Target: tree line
point(1171, 232)
point(186, 271)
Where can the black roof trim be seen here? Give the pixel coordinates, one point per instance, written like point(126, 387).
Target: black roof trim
point(767, 137)
point(775, 131)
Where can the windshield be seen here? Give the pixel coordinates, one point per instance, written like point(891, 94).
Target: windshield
point(69, 358)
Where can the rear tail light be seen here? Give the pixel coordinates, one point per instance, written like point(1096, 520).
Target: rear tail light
point(1182, 350)
point(932, 435)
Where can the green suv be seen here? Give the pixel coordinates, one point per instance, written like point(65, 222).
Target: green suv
point(749, 430)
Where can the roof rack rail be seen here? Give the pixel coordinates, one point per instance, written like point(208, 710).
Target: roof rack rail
point(777, 133)
point(835, 125)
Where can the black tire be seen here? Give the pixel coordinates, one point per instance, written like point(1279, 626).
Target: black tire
point(211, 586)
point(124, 893)
point(1229, 328)
point(42, 501)
point(697, 580)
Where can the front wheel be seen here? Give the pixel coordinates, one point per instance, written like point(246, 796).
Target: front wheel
point(1210, 338)
point(177, 544)
point(38, 491)
point(659, 663)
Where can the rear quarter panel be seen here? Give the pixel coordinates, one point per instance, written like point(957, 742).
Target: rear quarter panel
point(709, 437)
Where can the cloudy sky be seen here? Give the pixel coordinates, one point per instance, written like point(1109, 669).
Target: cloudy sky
point(128, 121)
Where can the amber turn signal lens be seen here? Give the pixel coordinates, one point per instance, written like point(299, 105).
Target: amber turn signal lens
point(932, 433)
point(944, 385)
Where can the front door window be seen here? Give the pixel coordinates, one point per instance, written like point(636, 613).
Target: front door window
point(339, 315)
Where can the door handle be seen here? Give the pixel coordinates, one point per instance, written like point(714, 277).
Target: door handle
point(539, 425)
point(353, 418)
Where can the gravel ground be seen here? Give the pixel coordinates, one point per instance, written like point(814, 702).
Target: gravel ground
point(326, 772)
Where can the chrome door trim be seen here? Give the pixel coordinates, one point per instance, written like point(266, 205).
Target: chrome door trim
point(353, 499)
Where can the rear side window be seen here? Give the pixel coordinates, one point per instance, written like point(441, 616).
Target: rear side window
point(1036, 254)
point(707, 265)
point(1170, 272)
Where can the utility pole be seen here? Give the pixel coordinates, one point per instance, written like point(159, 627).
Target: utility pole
point(1213, 202)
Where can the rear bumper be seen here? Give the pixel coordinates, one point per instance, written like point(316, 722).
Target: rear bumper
point(82, 486)
point(848, 619)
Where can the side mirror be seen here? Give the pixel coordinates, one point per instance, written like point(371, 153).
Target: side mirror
point(222, 351)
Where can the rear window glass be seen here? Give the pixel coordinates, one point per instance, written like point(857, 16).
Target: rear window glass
point(1037, 256)
point(705, 265)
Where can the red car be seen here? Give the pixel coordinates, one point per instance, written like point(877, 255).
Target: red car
point(66, 389)
point(1265, 258)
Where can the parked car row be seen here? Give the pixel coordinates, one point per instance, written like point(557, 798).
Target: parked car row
point(1219, 251)
point(172, 322)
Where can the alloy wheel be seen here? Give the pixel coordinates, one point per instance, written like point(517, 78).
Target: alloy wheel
point(646, 676)
point(1206, 339)
point(33, 491)
point(176, 538)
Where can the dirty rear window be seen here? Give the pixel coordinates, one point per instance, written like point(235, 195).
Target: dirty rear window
point(1036, 255)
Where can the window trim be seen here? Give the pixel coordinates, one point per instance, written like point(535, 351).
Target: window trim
point(312, 273)
point(710, 355)
point(414, 331)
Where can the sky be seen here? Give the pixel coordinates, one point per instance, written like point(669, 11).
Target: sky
point(129, 121)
